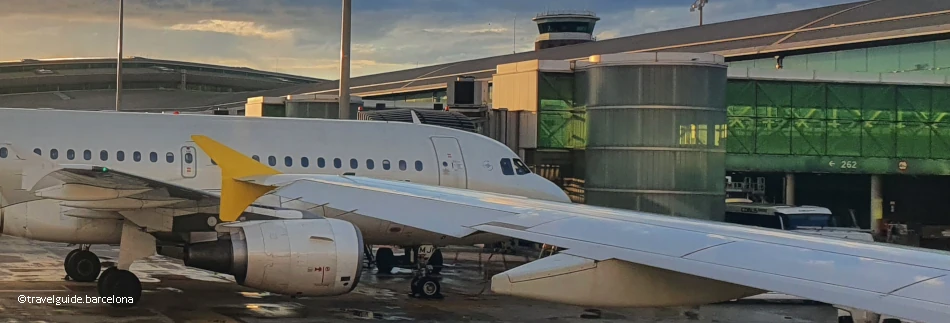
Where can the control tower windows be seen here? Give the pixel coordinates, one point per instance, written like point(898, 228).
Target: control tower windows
point(566, 27)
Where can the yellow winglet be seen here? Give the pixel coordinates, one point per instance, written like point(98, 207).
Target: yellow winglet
point(236, 195)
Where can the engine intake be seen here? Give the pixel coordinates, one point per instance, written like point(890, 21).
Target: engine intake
point(305, 257)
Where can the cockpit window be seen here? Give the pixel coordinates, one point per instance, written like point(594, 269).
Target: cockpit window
point(521, 168)
point(506, 166)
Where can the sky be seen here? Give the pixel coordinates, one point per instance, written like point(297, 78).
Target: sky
point(302, 37)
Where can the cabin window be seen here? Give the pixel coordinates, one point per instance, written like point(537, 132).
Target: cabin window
point(189, 158)
point(53, 154)
point(87, 154)
point(3, 152)
point(321, 162)
point(304, 162)
point(354, 163)
point(170, 157)
point(213, 162)
point(419, 165)
point(104, 155)
point(386, 164)
point(370, 164)
point(137, 156)
point(153, 156)
point(120, 155)
point(256, 157)
point(38, 151)
point(521, 168)
point(402, 165)
point(506, 167)
point(288, 161)
point(337, 163)
point(70, 154)
point(272, 160)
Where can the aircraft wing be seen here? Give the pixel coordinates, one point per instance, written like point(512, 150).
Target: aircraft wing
point(618, 257)
point(904, 282)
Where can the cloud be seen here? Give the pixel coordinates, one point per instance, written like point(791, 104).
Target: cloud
point(302, 36)
point(239, 28)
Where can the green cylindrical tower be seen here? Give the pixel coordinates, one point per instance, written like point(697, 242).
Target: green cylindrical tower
point(656, 132)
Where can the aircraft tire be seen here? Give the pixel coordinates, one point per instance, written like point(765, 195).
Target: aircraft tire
point(123, 284)
point(104, 280)
point(385, 260)
point(427, 288)
point(83, 266)
point(66, 260)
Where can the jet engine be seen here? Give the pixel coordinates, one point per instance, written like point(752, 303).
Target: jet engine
point(300, 257)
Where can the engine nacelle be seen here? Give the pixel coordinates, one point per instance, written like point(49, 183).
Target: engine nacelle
point(301, 257)
point(568, 279)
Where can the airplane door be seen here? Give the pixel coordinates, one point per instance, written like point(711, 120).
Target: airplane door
point(189, 162)
point(451, 166)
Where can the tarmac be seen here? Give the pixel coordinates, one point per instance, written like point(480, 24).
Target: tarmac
point(175, 293)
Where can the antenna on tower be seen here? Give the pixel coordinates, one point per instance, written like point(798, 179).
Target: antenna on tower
point(698, 5)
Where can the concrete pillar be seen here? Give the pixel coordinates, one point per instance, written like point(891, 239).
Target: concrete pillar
point(877, 202)
point(790, 189)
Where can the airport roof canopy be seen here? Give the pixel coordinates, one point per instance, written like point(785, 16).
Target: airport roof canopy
point(864, 23)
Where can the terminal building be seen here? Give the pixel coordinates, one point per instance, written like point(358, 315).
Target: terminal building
point(844, 106)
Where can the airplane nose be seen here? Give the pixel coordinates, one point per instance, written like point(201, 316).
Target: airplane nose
point(551, 191)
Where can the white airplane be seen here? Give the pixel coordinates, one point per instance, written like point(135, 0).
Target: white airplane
point(137, 180)
point(618, 258)
point(611, 257)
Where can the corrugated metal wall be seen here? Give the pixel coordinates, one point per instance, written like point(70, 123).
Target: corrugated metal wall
point(656, 138)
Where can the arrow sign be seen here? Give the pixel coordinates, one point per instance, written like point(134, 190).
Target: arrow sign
point(831, 163)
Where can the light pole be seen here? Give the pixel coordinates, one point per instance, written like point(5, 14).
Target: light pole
point(118, 64)
point(698, 5)
point(345, 62)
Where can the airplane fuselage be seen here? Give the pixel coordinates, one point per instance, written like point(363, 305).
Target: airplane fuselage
point(158, 146)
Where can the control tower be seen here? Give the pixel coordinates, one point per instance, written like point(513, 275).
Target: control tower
point(564, 27)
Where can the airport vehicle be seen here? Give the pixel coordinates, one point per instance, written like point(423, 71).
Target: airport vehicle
point(139, 181)
point(803, 219)
point(612, 257)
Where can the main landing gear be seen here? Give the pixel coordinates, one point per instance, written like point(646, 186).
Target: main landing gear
point(82, 265)
point(427, 262)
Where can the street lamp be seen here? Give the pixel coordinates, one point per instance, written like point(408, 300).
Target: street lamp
point(118, 64)
point(345, 62)
point(698, 5)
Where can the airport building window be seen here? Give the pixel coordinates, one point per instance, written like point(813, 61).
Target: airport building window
point(370, 164)
point(53, 154)
point(170, 157)
point(402, 165)
point(419, 165)
point(3, 152)
point(321, 162)
point(120, 155)
point(304, 162)
point(288, 161)
point(70, 154)
point(87, 154)
point(137, 156)
point(104, 155)
point(256, 157)
point(354, 164)
point(38, 151)
point(337, 163)
point(506, 167)
point(272, 160)
point(386, 164)
point(153, 156)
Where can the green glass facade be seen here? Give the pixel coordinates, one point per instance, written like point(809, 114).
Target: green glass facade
point(931, 57)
